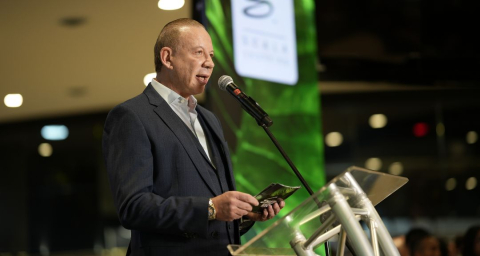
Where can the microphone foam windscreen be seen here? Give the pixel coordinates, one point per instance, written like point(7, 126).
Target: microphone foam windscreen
point(223, 81)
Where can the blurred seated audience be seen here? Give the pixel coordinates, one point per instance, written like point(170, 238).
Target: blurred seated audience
point(457, 246)
point(427, 245)
point(443, 247)
point(419, 242)
point(413, 236)
point(471, 242)
point(399, 242)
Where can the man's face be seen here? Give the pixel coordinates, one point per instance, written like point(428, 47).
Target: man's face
point(191, 62)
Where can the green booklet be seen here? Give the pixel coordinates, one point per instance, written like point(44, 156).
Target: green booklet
point(270, 194)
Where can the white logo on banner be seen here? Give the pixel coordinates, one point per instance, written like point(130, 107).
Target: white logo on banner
point(264, 40)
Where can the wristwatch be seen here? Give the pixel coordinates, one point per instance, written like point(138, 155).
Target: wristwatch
point(212, 213)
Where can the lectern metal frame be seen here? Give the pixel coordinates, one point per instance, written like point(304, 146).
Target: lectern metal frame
point(346, 199)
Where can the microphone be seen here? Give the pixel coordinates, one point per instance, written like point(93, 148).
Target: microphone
point(248, 104)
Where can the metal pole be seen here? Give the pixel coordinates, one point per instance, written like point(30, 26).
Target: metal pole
point(345, 215)
point(295, 170)
point(320, 231)
point(342, 238)
point(362, 201)
point(373, 234)
point(297, 245)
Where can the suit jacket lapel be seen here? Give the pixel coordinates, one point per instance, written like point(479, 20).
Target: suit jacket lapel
point(200, 147)
point(176, 125)
point(212, 124)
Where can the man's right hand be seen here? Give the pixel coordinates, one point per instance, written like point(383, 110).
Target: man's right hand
point(233, 205)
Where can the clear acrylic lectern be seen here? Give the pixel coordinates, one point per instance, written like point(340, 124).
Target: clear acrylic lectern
point(335, 209)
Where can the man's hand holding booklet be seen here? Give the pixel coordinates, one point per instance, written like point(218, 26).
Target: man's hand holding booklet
point(271, 193)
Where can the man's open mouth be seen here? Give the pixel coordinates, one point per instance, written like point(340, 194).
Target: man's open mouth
point(202, 78)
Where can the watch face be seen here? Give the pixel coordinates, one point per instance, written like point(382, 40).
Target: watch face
point(211, 210)
point(211, 213)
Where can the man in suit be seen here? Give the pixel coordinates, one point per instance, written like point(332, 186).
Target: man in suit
point(167, 161)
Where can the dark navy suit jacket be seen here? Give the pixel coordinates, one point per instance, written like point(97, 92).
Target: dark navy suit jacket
point(159, 179)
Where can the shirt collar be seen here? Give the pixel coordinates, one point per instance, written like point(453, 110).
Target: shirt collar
point(171, 97)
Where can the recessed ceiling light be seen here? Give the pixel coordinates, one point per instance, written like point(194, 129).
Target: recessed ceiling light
point(73, 21)
point(377, 121)
point(471, 183)
point(77, 91)
point(450, 184)
point(148, 78)
point(45, 149)
point(334, 139)
point(170, 5)
point(373, 163)
point(54, 132)
point(13, 100)
point(472, 137)
point(396, 168)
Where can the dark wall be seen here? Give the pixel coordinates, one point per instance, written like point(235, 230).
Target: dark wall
point(61, 201)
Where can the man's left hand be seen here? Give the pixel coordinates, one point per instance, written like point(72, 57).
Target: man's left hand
point(268, 213)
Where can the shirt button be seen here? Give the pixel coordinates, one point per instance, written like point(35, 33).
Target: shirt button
point(214, 234)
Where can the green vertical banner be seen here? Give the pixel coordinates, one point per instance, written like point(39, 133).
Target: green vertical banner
point(293, 103)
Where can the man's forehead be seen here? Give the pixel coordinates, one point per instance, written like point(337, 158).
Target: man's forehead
point(187, 33)
point(184, 28)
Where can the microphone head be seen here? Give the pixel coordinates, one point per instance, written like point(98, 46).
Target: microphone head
point(223, 81)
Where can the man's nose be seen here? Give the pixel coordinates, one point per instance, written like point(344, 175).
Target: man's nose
point(209, 63)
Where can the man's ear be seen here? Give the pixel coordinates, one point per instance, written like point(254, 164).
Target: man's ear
point(166, 57)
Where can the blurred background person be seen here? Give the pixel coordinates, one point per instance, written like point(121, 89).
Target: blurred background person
point(421, 243)
point(444, 250)
point(471, 242)
point(428, 245)
point(456, 245)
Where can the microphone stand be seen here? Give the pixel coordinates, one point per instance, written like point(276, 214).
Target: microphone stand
point(264, 121)
point(284, 154)
point(295, 170)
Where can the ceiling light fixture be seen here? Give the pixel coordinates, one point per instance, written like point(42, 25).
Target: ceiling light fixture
point(373, 163)
point(54, 132)
point(170, 5)
point(396, 168)
point(472, 137)
point(13, 100)
point(377, 121)
point(148, 78)
point(334, 139)
point(45, 149)
point(73, 21)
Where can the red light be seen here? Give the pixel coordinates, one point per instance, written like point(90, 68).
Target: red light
point(420, 129)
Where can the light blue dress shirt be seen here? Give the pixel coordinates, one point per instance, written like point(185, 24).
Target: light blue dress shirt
point(185, 109)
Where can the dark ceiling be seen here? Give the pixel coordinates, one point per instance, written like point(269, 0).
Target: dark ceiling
point(413, 42)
